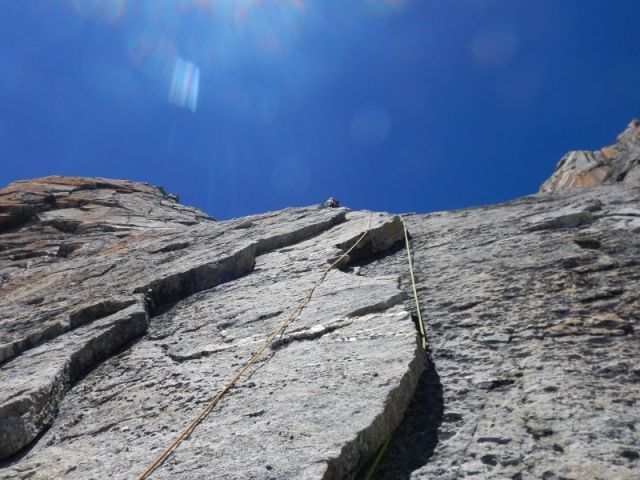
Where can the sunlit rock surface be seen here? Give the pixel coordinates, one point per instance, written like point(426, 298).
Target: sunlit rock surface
point(111, 347)
point(124, 312)
point(533, 311)
point(617, 163)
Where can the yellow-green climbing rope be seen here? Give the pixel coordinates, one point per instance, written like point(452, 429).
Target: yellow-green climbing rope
point(413, 284)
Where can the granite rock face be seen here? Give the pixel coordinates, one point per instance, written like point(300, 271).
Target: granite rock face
point(124, 312)
point(617, 163)
point(110, 348)
point(532, 311)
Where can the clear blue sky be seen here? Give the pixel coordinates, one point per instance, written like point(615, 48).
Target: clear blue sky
point(242, 106)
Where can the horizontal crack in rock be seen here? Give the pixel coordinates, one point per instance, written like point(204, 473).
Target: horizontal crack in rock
point(104, 330)
point(312, 333)
point(49, 377)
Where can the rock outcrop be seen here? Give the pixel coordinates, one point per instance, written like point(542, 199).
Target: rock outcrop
point(617, 163)
point(205, 295)
point(124, 312)
point(533, 312)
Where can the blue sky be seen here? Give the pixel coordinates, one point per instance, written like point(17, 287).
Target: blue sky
point(243, 106)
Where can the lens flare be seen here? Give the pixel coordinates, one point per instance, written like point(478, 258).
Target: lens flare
point(184, 85)
point(172, 41)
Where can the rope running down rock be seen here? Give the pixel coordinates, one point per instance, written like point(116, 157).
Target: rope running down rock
point(374, 465)
point(425, 344)
point(278, 332)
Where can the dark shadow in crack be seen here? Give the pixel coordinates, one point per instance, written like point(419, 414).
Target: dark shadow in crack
point(365, 257)
point(416, 438)
point(76, 378)
point(22, 453)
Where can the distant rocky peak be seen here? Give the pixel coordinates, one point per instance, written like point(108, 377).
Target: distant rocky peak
point(617, 163)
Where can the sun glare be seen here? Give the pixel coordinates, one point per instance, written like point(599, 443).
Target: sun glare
point(178, 44)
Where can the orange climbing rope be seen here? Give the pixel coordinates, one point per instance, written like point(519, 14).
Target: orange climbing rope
point(279, 331)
